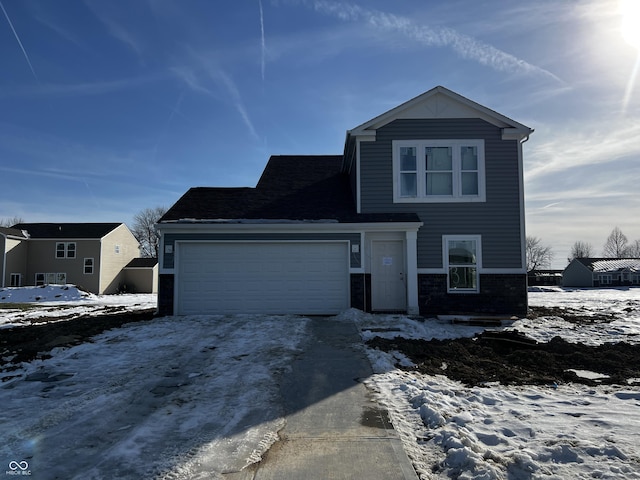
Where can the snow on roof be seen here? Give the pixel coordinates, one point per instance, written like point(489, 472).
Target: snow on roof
point(615, 264)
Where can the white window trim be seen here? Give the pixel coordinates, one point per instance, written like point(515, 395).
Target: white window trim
point(84, 266)
point(46, 276)
point(17, 276)
point(66, 250)
point(605, 278)
point(421, 197)
point(445, 260)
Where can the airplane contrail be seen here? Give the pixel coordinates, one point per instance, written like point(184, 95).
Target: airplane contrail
point(262, 36)
point(15, 34)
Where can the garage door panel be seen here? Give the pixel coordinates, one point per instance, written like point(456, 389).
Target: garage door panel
point(265, 277)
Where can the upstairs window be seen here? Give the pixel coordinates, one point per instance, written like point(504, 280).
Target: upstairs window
point(438, 171)
point(66, 250)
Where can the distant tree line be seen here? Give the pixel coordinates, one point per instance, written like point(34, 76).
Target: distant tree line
point(10, 222)
point(617, 245)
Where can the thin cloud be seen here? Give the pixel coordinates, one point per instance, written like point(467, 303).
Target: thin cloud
point(464, 45)
point(221, 79)
point(47, 19)
point(80, 89)
point(567, 152)
point(262, 42)
point(114, 28)
point(15, 34)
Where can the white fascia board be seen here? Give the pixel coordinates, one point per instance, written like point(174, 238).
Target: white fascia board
point(516, 133)
point(333, 227)
point(363, 135)
point(473, 110)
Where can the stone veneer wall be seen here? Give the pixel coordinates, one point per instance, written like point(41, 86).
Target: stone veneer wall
point(361, 291)
point(165, 294)
point(499, 294)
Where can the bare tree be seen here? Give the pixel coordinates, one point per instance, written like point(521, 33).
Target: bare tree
point(580, 250)
point(538, 255)
point(9, 222)
point(144, 231)
point(633, 251)
point(616, 245)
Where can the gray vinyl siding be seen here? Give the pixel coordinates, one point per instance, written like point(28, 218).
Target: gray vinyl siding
point(497, 220)
point(171, 238)
point(577, 275)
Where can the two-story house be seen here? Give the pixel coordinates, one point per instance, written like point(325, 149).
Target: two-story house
point(98, 257)
point(422, 213)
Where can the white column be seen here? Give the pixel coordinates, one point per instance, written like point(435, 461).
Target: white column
point(412, 273)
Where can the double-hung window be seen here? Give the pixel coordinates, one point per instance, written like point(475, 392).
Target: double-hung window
point(88, 266)
point(462, 256)
point(438, 171)
point(66, 250)
point(604, 279)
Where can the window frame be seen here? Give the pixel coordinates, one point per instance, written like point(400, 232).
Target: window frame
point(421, 171)
point(91, 266)
point(605, 279)
point(50, 278)
point(15, 279)
point(447, 265)
point(68, 250)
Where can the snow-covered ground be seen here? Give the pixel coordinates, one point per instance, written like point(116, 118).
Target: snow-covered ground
point(499, 432)
point(197, 396)
point(62, 302)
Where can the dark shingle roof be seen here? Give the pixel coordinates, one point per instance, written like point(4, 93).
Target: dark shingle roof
point(13, 232)
point(142, 263)
point(67, 230)
point(299, 188)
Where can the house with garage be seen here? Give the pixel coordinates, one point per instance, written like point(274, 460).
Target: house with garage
point(92, 256)
point(423, 212)
point(602, 272)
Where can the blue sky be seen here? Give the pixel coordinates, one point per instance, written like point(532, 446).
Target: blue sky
point(109, 107)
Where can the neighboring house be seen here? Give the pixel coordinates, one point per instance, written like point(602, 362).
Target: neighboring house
point(140, 275)
point(89, 255)
point(13, 265)
point(544, 277)
point(602, 272)
point(423, 213)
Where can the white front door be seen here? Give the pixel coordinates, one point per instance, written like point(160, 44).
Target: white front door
point(388, 287)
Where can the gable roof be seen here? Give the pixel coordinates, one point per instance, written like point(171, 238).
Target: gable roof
point(610, 264)
point(67, 230)
point(13, 232)
point(292, 188)
point(440, 102)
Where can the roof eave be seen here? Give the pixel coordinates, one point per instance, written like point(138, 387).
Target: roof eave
point(515, 130)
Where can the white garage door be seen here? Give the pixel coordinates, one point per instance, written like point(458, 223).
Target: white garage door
point(265, 277)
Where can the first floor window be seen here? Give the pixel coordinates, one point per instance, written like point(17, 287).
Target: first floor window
point(88, 266)
point(462, 255)
point(604, 279)
point(16, 279)
point(51, 278)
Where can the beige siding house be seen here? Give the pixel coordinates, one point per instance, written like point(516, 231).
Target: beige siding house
point(90, 255)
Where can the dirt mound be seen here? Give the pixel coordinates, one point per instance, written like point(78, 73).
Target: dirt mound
point(511, 358)
point(25, 343)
